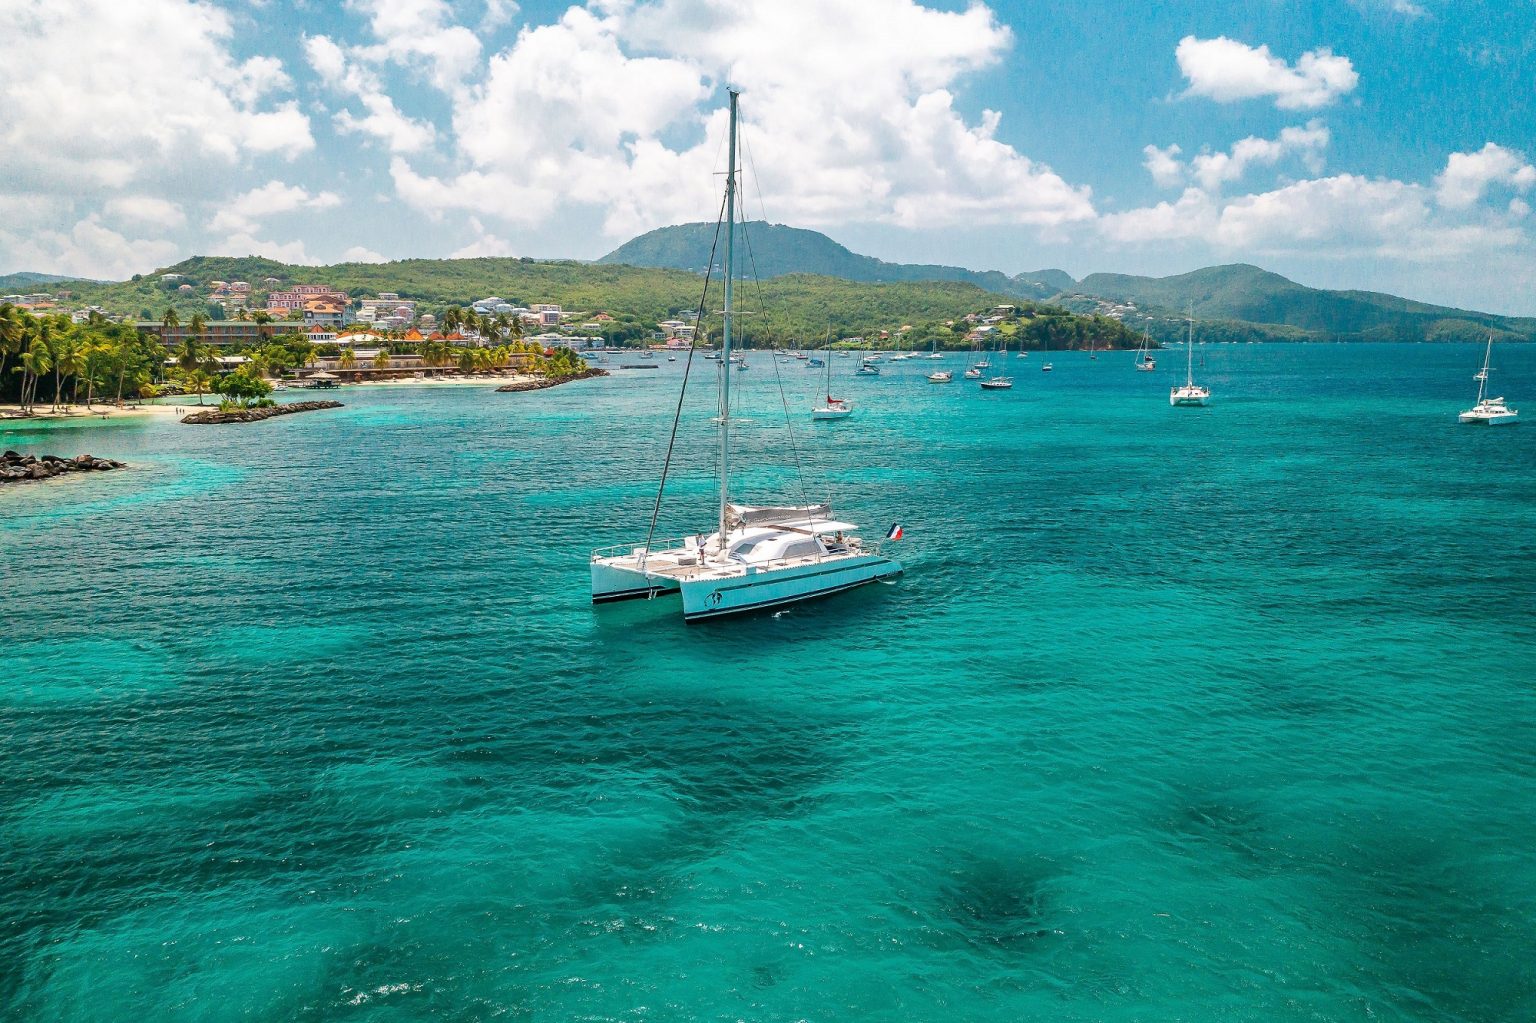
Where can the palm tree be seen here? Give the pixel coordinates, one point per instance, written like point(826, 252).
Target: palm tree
point(347, 359)
point(198, 380)
point(68, 361)
point(170, 321)
point(13, 330)
point(381, 360)
point(35, 361)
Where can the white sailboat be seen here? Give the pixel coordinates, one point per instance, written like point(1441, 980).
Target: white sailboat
point(758, 556)
point(973, 371)
point(1002, 381)
point(1144, 361)
point(1191, 395)
point(832, 408)
point(1488, 411)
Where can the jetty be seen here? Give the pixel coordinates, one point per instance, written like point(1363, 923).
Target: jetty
point(216, 417)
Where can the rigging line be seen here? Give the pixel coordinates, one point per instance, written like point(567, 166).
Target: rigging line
point(682, 391)
point(789, 425)
point(758, 283)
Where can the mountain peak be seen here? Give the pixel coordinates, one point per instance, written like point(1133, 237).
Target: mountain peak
point(774, 250)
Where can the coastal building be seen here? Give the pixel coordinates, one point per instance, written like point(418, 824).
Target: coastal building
point(321, 335)
point(220, 333)
point(549, 315)
point(325, 312)
point(295, 297)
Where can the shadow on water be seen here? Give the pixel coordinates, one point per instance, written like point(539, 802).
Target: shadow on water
point(999, 904)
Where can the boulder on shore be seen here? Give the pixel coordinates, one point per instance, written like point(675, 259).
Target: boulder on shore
point(18, 468)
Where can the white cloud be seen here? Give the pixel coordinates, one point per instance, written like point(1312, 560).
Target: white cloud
point(241, 213)
point(1467, 176)
point(614, 108)
point(146, 211)
point(1193, 216)
point(419, 34)
point(1163, 164)
point(497, 14)
point(485, 244)
point(88, 249)
point(383, 121)
point(1212, 170)
point(99, 95)
point(359, 254)
point(244, 243)
point(1343, 216)
point(1226, 70)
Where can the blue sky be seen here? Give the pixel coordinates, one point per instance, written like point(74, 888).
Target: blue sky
point(1382, 144)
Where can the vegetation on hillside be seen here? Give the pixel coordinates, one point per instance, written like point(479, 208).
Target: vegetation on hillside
point(1242, 302)
point(774, 250)
point(790, 310)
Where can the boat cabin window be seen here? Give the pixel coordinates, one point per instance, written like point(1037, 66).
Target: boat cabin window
point(801, 548)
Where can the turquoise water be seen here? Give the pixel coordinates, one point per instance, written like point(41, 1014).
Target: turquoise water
point(1176, 714)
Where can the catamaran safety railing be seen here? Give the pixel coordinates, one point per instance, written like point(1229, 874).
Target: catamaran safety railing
point(625, 550)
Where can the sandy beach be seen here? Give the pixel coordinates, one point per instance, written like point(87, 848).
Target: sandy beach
point(10, 413)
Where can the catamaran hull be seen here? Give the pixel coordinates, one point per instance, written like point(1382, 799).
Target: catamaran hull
point(1483, 419)
point(715, 598)
point(611, 583)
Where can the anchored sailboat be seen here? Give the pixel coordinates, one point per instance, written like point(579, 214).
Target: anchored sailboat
point(758, 556)
point(1488, 411)
point(1191, 394)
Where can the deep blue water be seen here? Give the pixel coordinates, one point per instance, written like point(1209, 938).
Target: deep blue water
point(1223, 714)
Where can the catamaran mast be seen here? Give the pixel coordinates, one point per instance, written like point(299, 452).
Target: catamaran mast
point(1482, 378)
point(1189, 350)
point(725, 355)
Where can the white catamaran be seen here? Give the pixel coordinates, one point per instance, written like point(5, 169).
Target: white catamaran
point(1191, 395)
point(1488, 411)
point(758, 556)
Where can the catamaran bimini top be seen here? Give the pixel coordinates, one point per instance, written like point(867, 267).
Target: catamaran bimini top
point(740, 515)
point(757, 545)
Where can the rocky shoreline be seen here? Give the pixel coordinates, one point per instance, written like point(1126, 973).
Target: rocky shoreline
point(19, 468)
point(543, 382)
point(255, 415)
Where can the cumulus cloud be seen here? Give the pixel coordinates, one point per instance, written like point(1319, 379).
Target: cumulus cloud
point(1468, 176)
point(242, 213)
point(613, 107)
point(1226, 70)
point(99, 95)
point(383, 120)
point(88, 249)
point(1212, 170)
point(1166, 168)
point(420, 34)
point(244, 243)
point(360, 254)
point(1341, 216)
point(145, 211)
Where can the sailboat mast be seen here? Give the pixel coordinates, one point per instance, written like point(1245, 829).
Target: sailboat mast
point(725, 355)
point(1189, 370)
point(1482, 383)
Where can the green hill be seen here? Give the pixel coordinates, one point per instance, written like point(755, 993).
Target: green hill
point(773, 250)
point(26, 280)
point(790, 309)
point(1273, 307)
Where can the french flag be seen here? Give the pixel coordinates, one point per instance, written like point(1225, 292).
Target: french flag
point(896, 532)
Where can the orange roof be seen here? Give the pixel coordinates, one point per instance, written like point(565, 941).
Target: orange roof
point(413, 335)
